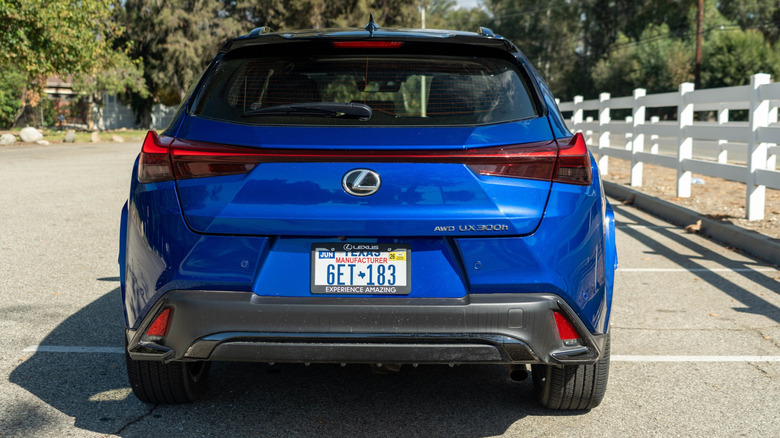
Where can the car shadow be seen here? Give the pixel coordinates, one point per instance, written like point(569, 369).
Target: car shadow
point(258, 399)
point(753, 303)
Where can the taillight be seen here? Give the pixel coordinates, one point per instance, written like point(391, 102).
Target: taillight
point(573, 166)
point(567, 163)
point(195, 162)
point(184, 160)
point(545, 161)
point(527, 161)
point(154, 164)
point(196, 159)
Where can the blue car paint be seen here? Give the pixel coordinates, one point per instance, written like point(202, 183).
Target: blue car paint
point(307, 199)
point(404, 206)
point(567, 255)
point(571, 253)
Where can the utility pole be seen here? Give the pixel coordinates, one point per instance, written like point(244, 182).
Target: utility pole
point(423, 91)
point(697, 66)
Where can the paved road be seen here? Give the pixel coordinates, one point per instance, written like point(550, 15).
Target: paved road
point(696, 338)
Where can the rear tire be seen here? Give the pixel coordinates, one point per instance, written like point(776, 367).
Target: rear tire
point(171, 383)
point(572, 387)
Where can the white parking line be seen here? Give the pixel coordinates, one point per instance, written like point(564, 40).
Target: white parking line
point(697, 270)
point(71, 349)
point(631, 358)
point(647, 227)
point(614, 358)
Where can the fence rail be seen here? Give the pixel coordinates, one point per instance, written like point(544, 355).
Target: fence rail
point(672, 142)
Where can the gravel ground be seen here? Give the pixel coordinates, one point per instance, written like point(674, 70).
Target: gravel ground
point(716, 198)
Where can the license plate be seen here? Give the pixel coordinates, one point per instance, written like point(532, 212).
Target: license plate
point(360, 268)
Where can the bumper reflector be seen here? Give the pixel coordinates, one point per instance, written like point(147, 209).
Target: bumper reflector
point(565, 330)
point(160, 324)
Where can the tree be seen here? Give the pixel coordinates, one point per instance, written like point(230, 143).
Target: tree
point(547, 31)
point(118, 76)
point(178, 38)
point(41, 38)
point(733, 55)
point(12, 83)
point(763, 15)
point(657, 61)
point(175, 39)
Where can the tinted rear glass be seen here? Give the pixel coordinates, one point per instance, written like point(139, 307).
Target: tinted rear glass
point(400, 89)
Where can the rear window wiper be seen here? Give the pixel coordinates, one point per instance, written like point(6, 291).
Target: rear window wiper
point(315, 109)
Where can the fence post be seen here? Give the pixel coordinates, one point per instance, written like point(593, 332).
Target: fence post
point(604, 120)
point(589, 132)
point(723, 118)
point(684, 143)
point(576, 116)
point(771, 161)
point(757, 151)
point(629, 134)
point(638, 141)
point(654, 138)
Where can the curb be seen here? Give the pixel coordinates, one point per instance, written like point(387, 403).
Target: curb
point(749, 241)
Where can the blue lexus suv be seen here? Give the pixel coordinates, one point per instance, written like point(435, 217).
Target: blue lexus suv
point(368, 196)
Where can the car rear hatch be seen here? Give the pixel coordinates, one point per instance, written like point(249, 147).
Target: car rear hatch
point(440, 140)
point(296, 185)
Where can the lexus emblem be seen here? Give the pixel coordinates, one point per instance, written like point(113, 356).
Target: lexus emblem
point(361, 182)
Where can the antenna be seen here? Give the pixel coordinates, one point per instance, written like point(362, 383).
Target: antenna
point(371, 26)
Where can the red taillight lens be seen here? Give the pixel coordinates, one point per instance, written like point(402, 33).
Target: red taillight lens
point(566, 330)
point(545, 161)
point(367, 44)
point(199, 160)
point(160, 324)
point(527, 161)
point(154, 164)
point(573, 166)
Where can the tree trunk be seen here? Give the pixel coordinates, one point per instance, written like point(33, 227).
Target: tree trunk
point(142, 108)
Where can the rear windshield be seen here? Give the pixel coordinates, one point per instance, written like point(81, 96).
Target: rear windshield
point(399, 89)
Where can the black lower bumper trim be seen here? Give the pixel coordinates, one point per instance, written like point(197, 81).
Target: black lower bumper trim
point(241, 326)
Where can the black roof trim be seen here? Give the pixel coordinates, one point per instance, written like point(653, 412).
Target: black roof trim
point(263, 36)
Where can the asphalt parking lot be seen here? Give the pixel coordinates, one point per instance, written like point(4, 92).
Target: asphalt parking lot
point(695, 338)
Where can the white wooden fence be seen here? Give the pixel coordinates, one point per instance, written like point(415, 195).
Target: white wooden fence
point(758, 138)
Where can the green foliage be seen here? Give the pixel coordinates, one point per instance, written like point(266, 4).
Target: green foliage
point(590, 46)
point(467, 19)
point(12, 83)
point(118, 75)
point(76, 38)
point(763, 15)
point(547, 31)
point(44, 37)
point(658, 64)
point(178, 38)
point(732, 56)
point(317, 14)
point(443, 14)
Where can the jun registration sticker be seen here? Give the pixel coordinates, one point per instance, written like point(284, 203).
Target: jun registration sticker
point(360, 268)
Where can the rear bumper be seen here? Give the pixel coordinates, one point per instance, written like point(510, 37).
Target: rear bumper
point(479, 328)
